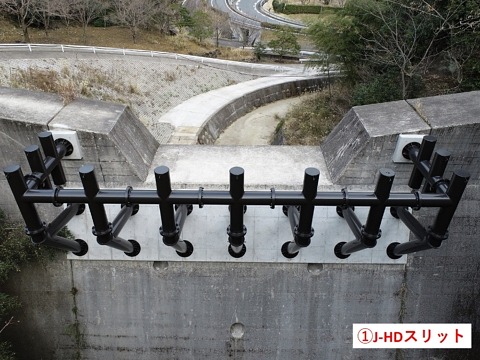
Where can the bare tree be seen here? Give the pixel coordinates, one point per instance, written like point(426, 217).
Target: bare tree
point(168, 13)
point(23, 10)
point(85, 11)
point(221, 24)
point(400, 39)
point(134, 14)
point(44, 10)
point(64, 10)
point(407, 35)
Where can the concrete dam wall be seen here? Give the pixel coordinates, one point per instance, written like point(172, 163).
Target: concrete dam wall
point(162, 306)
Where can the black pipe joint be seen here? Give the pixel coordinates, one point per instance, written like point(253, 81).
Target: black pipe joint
point(369, 240)
point(104, 236)
point(435, 240)
point(170, 238)
point(236, 238)
point(37, 235)
point(302, 239)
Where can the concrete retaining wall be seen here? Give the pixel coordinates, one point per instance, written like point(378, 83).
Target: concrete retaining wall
point(220, 120)
point(240, 310)
point(201, 119)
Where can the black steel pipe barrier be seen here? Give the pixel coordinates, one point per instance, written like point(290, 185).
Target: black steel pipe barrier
point(176, 205)
point(366, 236)
point(433, 236)
point(301, 219)
point(237, 230)
point(105, 231)
point(172, 221)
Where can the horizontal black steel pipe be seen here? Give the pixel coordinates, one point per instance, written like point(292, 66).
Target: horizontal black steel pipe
point(219, 197)
point(63, 218)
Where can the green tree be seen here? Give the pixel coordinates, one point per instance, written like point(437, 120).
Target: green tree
point(285, 42)
point(202, 26)
point(259, 50)
point(396, 43)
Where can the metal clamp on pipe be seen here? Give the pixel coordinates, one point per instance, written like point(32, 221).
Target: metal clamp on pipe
point(172, 222)
point(366, 236)
point(236, 231)
point(301, 218)
point(106, 232)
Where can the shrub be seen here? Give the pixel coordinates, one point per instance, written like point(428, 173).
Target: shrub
point(302, 9)
point(15, 250)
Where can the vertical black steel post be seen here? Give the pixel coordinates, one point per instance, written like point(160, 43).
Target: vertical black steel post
point(35, 228)
point(366, 236)
point(54, 155)
point(437, 169)
point(438, 232)
point(37, 166)
point(102, 229)
point(172, 223)
point(236, 230)
point(301, 221)
point(418, 156)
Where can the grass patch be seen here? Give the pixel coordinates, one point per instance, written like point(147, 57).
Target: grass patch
point(119, 37)
point(309, 122)
point(70, 83)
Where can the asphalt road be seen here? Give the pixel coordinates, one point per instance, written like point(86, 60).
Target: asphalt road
point(248, 12)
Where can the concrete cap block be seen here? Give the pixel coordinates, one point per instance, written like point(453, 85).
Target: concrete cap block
point(89, 115)
point(449, 110)
point(29, 106)
point(390, 118)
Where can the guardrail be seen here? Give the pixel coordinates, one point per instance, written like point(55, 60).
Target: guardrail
point(98, 50)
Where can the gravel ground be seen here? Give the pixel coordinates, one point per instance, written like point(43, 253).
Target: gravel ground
point(149, 88)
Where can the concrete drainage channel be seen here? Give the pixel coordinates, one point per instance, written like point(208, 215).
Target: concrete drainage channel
point(201, 119)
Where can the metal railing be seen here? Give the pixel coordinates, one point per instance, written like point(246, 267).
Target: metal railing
point(176, 205)
point(98, 50)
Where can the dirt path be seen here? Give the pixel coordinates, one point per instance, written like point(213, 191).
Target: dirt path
point(258, 126)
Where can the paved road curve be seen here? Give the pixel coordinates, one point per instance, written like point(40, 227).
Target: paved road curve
point(249, 12)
